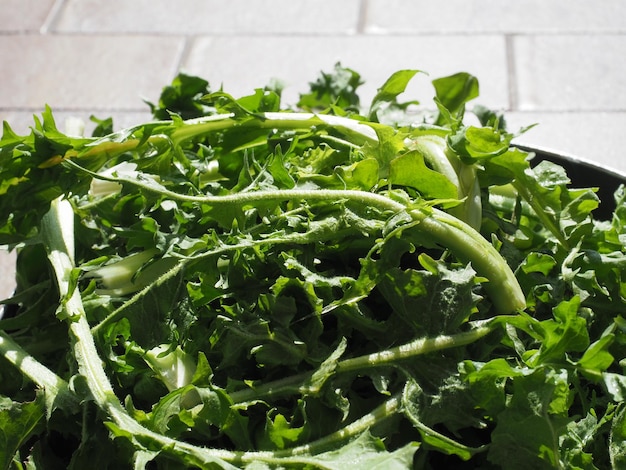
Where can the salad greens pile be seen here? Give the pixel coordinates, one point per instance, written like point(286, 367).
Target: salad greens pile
point(244, 284)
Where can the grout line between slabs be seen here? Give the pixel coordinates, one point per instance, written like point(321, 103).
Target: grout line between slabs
point(361, 21)
point(361, 29)
point(189, 41)
point(511, 72)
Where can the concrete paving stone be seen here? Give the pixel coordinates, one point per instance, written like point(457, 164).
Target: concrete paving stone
point(85, 72)
point(591, 136)
point(7, 274)
point(244, 63)
point(495, 16)
point(570, 72)
point(210, 16)
point(23, 15)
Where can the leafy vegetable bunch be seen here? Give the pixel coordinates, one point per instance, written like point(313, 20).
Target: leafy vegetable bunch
point(240, 284)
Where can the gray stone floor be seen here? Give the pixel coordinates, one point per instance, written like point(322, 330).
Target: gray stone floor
point(558, 63)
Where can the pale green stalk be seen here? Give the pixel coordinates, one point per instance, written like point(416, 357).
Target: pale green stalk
point(358, 132)
point(53, 386)
point(57, 234)
point(418, 347)
point(445, 230)
point(439, 226)
point(412, 349)
point(384, 411)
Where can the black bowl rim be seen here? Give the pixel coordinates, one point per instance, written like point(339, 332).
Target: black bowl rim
point(549, 154)
point(584, 173)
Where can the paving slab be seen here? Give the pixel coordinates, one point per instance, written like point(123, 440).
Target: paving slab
point(244, 63)
point(85, 72)
point(7, 274)
point(494, 16)
point(210, 16)
point(570, 72)
point(24, 15)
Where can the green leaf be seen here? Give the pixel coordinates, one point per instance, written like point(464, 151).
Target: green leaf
point(412, 400)
point(565, 334)
point(280, 432)
point(538, 262)
point(410, 170)
point(452, 93)
point(325, 371)
point(615, 385)
point(18, 422)
point(218, 410)
point(368, 452)
point(527, 431)
point(182, 97)
point(478, 143)
point(394, 85)
point(390, 146)
point(386, 96)
point(594, 275)
point(580, 435)
point(262, 100)
point(363, 174)
point(337, 89)
point(597, 358)
point(431, 303)
point(488, 381)
point(617, 438)
point(103, 126)
point(280, 174)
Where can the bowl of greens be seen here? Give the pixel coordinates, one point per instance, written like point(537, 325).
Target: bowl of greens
point(242, 284)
